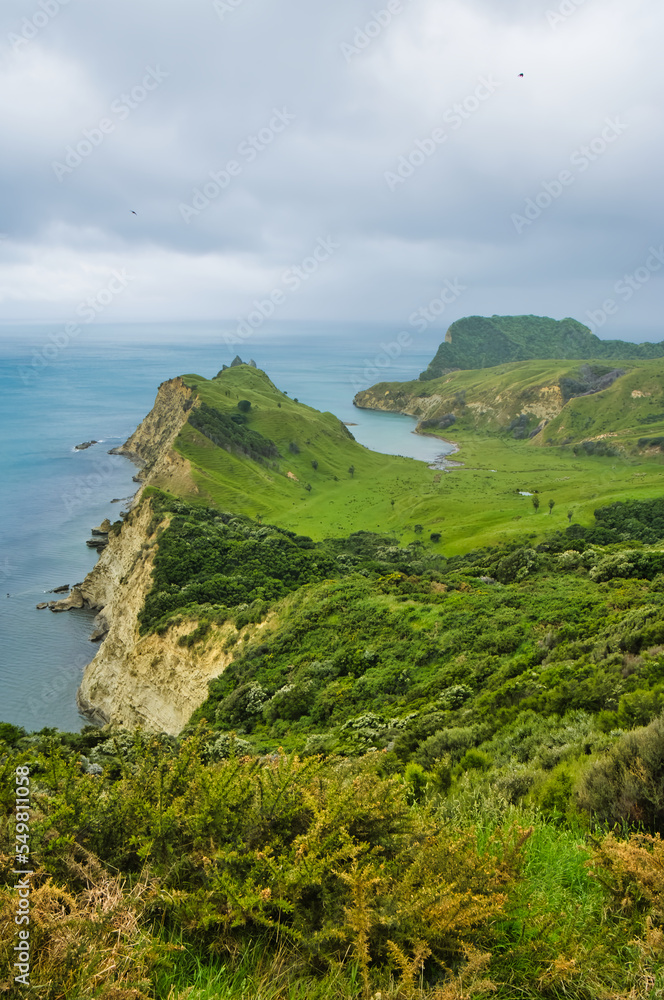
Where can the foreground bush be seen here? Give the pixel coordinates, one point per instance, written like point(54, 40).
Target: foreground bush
point(338, 878)
point(327, 859)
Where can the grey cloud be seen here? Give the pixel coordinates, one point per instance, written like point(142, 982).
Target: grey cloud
point(357, 117)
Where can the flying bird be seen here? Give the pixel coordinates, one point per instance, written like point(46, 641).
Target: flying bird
point(136, 213)
point(520, 74)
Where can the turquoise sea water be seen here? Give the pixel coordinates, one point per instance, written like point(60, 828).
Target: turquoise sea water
point(100, 387)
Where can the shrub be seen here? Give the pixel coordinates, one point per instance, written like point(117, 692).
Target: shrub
point(638, 708)
point(628, 563)
point(633, 872)
point(228, 745)
point(291, 701)
point(226, 432)
point(415, 778)
point(571, 559)
point(516, 783)
point(454, 697)
point(243, 705)
point(454, 741)
point(475, 760)
point(627, 783)
point(517, 565)
point(594, 448)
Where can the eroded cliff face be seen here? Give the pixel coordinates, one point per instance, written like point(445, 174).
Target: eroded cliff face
point(145, 681)
point(494, 412)
point(394, 401)
point(151, 444)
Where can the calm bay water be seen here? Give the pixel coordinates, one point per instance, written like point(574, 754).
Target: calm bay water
point(101, 388)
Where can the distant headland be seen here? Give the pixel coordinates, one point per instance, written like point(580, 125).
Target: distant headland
point(486, 341)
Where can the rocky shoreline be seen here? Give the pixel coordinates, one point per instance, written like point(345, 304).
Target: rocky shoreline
point(133, 680)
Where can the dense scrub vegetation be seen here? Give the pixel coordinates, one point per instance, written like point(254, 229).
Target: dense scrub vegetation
point(629, 520)
point(516, 667)
point(161, 870)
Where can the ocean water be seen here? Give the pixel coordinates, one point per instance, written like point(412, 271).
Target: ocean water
point(100, 386)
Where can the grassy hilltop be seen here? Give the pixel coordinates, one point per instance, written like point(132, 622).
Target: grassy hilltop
point(483, 342)
point(321, 496)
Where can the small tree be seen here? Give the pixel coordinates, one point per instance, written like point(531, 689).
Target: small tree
point(570, 515)
point(417, 528)
point(552, 504)
point(351, 469)
point(293, 448)
point(314, 464)
point(536, 502)
point(308, 487)
point(244, 406)
point(392, 502)
point(435, 536)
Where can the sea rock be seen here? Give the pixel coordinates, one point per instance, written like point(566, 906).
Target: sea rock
point(44, 604)
point(75, 600)
point(103, 528)
point(86, 444)
point(99, 542)
point(60, 590)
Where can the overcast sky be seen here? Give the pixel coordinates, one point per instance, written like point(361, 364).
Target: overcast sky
point(368, 156)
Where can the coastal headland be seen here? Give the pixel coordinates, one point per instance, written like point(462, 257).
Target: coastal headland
point(237, 444)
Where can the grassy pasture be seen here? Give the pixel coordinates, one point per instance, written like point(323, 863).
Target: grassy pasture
point(473, 504)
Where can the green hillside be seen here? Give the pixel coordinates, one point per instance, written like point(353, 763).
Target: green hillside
point(324, 497)
point(483, 342)
point(478, 503)
point(628, 416)
point(546, 402)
